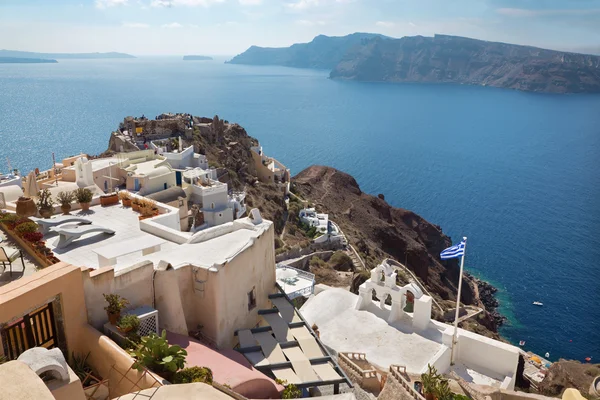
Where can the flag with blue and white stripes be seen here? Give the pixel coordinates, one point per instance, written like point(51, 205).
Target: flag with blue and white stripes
point(454, 251)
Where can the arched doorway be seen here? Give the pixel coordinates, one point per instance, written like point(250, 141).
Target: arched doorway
point(409, 302)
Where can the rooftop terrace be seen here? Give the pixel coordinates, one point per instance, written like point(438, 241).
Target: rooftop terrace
point(122, 220)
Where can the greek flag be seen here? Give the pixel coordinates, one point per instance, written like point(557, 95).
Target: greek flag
point(454, 251)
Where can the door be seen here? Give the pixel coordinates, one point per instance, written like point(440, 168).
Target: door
point(36, 329)
point(136, 184)
point(178, 178)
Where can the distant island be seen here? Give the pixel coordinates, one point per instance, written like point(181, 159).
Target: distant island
point(324, 52)
point(197, 58)
point(56, 56)
point(18, 60)
point(438, 59)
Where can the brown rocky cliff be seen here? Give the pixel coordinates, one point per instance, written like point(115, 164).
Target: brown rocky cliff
point(378, 230)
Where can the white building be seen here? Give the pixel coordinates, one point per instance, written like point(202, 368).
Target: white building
point(212, 196)
point(310, 217)
point(403, 333)
point(182, 158)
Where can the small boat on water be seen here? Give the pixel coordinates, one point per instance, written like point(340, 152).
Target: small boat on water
point(538, 303)
point(522, 343)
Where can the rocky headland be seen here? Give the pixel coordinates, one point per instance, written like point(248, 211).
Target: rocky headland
point(438, 59)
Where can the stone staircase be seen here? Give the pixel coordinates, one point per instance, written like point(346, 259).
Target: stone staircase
point(398, 387)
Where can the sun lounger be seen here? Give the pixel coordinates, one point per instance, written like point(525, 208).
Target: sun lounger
point(68, 235)
point(46, 224)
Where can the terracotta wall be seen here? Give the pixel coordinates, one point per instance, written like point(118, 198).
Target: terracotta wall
point(26, 294)
point(112, 362)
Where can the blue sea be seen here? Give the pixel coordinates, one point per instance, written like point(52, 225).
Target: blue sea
point(518, 173)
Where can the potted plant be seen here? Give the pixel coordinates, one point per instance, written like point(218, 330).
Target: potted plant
point(65, 199)
point(116, 303)
point(45, 203)
point(125, 198)
point(84, 198)
point(430, 381)
point(109, 199)
point(155, 353)
point(135, 204)
point(128, 322)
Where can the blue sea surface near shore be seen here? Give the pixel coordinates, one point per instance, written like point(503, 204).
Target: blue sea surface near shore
point(518, 173)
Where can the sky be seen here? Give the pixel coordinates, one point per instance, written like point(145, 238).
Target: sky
point(228, 27)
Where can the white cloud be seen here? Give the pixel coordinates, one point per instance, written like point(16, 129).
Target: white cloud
point(385, 24)
point(188, 3)
point(110, 3)
point(250, 2)
point(135, 25)
point(412, 24)
point(524, 12)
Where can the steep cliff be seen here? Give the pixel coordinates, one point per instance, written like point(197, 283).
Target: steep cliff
point(452, 59)
point(377, 229)
point(322, 52)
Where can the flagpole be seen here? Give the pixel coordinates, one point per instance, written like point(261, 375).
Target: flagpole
point(462, 263)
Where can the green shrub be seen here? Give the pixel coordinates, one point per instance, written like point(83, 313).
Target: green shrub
point(290, 391)
point(193, 374)
point(83, 195)
point(317, 262)
point(341, 261)
point(65, 198)
point(460, 397)
point(45, 199)
point(9, 218)
point(26, 227)
point(279, 243)
point(155, 353)
point(129, 322)
point(115, 303)
point(311, 232)
point(281, 250)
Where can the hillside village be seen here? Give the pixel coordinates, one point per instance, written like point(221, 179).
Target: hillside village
point(186, 262)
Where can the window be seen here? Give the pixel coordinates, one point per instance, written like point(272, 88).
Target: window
point(252, 299)
point(180, 202)
point(220, 215)
point(212, 205)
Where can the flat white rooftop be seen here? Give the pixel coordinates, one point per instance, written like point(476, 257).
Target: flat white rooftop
point(346, 329)
point(208, 253)
point(220, 244)
point(123, 221)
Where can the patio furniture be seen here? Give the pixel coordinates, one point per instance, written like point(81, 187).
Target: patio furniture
point(68, 235)
point(8, 255)
point(107, 255)
point(46, 224)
